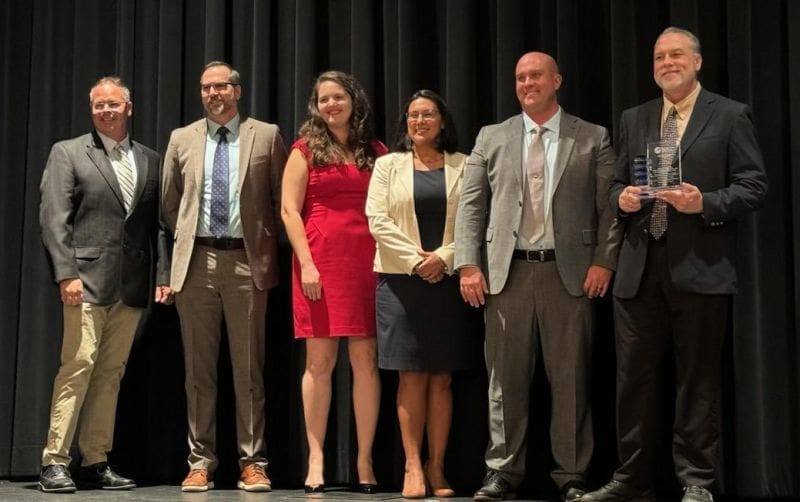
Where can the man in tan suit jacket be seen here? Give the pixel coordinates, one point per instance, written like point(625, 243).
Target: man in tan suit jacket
point(538, 285)
point(222, 201)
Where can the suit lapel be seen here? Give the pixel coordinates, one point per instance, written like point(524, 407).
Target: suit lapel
point(701, 113)
point(514, 143)
point(141, 173)
point(568, 131)
point(97, 155)
point(247, 136)
point(197, 152)
point(403, 166)
point(452, 173)
point(652, 125)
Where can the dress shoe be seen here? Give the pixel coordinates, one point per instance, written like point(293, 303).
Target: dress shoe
point(56, 479)
point(495, 487)
point(254, 479)
point(368, 488)
point(102, 476)
point(696, 494)
point(572, 491)
point(617, 491)
point(320, 488)
point(198, 480)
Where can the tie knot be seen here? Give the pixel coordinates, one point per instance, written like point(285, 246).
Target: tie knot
point(120, 150)
point(223, 133)
point(538, 131)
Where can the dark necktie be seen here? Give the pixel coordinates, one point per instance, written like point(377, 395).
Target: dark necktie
point(658, 215)
point(219, 186)
point(533, 201)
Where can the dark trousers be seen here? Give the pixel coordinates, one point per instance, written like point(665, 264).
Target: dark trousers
point(691, 326)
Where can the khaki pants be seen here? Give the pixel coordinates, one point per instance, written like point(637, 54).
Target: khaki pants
point(97, 341)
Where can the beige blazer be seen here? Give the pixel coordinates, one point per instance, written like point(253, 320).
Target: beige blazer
point(262, 156)
point(391, 215)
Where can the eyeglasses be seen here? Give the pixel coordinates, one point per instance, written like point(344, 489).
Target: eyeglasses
point(217, 86)
point(423, 115)
point(99, 106)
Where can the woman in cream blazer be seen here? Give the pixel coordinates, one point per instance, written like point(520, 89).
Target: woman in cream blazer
point(425, 330)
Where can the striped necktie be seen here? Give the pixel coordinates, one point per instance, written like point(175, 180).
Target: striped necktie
point(124, 171)
point(658, 215)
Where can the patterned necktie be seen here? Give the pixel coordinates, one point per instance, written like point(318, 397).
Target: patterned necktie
point(219, 186)
point(658, 215)
point(533, 202)
point(124, 172)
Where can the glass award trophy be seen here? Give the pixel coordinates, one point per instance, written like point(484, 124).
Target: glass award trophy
point(663, 166)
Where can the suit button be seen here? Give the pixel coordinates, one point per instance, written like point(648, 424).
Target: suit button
point(514, 233)
point(520, 203)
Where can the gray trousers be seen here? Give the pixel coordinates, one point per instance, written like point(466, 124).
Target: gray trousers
point(535, 310)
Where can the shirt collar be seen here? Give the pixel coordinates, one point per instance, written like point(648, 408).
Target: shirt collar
point(552, 124)
point(110, 144)
point(232, 126)
point(685, 106)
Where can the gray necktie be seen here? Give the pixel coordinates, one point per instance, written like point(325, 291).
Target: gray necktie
point(124, 171)
point(658, 215)
point(533, 201)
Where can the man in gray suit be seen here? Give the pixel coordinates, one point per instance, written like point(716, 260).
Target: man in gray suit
point(536, 241)
point(100, 225)
point(222, 182)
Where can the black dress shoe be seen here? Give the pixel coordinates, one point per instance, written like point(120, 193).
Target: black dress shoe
point(495, 487)
point(101, 476)
point(320, 488)
point(368, 488)
point(56, 479)
point(617, 491)
point(572, 491)
point(696, 494)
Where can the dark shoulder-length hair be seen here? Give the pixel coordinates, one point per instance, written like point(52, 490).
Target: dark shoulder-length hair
point(448, 136)
point(325, 149)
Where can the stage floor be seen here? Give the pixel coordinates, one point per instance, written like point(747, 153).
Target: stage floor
point(11, 491)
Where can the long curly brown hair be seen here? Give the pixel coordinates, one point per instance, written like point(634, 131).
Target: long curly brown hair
point(325, 149)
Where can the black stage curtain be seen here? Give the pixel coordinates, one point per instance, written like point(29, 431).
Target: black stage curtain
point(52, 50)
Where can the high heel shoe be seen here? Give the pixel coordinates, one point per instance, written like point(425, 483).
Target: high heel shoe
point(414, 492)
point(438, 487)
point(368, 488)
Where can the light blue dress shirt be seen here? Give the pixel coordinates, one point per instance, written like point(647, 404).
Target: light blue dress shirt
point(234, 218)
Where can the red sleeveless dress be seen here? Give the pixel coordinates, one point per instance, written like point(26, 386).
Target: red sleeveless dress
point(343, 251)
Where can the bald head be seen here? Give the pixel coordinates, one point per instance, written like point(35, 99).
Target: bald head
point(537, 81)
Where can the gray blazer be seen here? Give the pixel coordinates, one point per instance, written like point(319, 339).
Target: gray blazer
point(490, 209)
point(86, 230)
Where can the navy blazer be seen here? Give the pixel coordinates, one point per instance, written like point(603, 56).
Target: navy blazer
point(721, 156)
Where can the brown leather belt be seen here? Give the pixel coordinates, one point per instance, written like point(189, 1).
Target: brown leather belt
point(537, 255)
point(222, 243)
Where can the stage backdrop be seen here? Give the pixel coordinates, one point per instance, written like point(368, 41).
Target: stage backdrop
point(52, 50)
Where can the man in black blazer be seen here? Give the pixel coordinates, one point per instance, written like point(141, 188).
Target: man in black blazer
point(100, 223)
point(674, 281)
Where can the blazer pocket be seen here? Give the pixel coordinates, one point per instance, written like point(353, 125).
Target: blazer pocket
point(589, 236)
point(88, 253)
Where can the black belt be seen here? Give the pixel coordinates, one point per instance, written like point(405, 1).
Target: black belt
point(223, 243)
point(538, 255)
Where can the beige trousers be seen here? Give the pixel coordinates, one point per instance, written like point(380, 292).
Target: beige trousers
point(94, 351)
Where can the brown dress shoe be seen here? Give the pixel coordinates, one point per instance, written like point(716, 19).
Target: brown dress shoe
point(198, 480)
point(254, 479)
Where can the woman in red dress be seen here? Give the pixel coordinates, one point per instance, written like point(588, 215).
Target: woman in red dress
point(333, 286)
